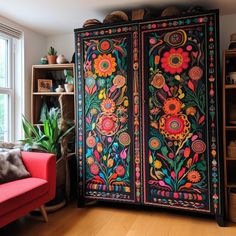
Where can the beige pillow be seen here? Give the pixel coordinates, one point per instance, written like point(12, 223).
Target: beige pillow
point(11, 166)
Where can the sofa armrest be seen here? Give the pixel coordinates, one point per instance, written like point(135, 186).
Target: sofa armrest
point(43, 166)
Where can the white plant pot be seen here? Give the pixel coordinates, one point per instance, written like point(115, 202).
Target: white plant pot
point(69, 87)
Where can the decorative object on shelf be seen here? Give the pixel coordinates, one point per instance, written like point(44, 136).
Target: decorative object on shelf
point(59, 89)
point(61, 59)
point(44, 85)
point(232, 149)
point(91, 22)
point(69, 85)
point(193, 10)
point(232, 77)
point(116, 16)
point(170, 11)
point(138, 14)
point(44, 60)
point(52, 55)
point(232, 45)
point(232, 205)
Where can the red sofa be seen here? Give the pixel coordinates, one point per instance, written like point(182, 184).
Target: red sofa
point(19, 197)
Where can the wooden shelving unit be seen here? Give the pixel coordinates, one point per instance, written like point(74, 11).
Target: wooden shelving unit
point(64, 100)
point(229, 130)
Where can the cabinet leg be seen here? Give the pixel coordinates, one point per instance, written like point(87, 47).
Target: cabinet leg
point(220, 220)
point(81, 202)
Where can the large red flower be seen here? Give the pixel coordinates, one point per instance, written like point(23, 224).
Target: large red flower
point(175, 127)
point(107, 124)
point(175, 61)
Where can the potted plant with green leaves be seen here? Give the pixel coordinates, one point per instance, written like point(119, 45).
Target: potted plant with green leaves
point(69, 85)
point(52, 55)
point(49, 138)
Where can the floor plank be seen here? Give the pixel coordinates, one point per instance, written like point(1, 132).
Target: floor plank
point(106, 219)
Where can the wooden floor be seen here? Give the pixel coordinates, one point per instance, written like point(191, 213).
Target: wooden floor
point(103, 219)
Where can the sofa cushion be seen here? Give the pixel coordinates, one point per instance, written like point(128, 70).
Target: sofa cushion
point(11, 166)
point(18, 193)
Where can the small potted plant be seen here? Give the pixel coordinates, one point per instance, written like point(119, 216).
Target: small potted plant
point(69, 85)
point(52, 55)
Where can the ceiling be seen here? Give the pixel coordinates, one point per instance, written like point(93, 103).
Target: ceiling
point(62, 16)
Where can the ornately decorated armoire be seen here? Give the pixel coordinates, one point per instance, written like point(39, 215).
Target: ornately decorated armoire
point(147, 113)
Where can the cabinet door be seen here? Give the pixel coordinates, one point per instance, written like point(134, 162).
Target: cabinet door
point(108, 103)
point(180, 132)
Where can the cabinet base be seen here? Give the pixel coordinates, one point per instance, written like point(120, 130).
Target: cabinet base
point(220, 220)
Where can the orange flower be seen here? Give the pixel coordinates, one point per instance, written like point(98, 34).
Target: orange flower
point(191, 111)
point(172, 106)
point(90, 160)
point(105, 65)
point(108, 105)
point(194, 176)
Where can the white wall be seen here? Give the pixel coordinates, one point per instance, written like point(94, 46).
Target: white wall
point(34, 47)
point(64, 44)
point(227, 27)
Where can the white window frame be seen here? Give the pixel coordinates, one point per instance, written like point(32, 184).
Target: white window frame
point(14, 88)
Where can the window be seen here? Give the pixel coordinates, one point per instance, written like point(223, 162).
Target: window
point(9, 66)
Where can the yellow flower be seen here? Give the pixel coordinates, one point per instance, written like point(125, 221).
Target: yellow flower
point(110, 163)
point(99, 147)
point(177, 77)
point(157, 164)
point(150, 159)
point(102, 94)
point(126, 103)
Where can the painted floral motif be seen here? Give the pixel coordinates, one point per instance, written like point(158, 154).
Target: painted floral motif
point(124, 139)
point(91, 142)
point(177, 118)
point(105, 46)
point(158, 81)
point(154, 143)
point(195, 73)
point(107, 124)
point(107, 96)
point(172, 106)
point(194, 176)
point(174, 127)
point(119, 81)
point(175, 61)
point(105, 65)
point(108, 105)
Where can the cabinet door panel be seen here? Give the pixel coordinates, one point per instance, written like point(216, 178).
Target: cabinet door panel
point(109, 80)
point(180, 133)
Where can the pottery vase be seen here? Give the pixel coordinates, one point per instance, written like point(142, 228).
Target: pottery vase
point(61, 59)
point(69, 87)
point(59, 89)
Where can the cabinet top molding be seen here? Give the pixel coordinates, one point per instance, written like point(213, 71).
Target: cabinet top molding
point(203, 13)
